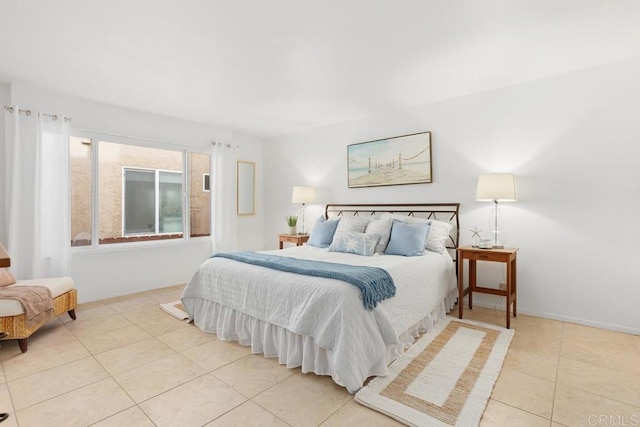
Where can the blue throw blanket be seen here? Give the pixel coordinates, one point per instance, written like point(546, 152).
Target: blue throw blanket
point(374, 283)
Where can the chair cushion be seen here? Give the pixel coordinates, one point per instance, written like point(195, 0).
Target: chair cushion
point(57, 286)
point(6, 278)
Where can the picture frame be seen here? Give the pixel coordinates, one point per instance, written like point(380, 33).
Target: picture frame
point(399, 160)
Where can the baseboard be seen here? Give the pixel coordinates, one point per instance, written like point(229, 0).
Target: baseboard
point(552, 316)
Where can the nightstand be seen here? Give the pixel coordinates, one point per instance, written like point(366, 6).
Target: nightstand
point(298, 239)
point(507, 256)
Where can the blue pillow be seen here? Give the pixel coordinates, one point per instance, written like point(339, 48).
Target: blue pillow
point(355, 243)
point(322, 233)
point(407, 239)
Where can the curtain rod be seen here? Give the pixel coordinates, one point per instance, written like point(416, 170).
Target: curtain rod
point(54, 117)
point(223, 144)
point(11, 109)
point(169, 143)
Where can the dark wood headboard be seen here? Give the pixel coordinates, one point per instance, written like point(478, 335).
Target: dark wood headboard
point(447, 212)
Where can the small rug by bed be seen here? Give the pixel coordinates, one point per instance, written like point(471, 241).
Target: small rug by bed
point(445, 378)
point(176, 309)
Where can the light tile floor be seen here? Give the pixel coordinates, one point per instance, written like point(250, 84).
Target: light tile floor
point(124, 362)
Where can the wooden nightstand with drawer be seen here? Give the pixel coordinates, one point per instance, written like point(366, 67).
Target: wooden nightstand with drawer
point(298, 239)
point(471, 254)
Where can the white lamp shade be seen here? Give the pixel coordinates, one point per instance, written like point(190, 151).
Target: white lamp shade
point(303, 195)
point(496, 186)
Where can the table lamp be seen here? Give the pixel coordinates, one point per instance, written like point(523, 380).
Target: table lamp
point(496, 187)
point(303, 195)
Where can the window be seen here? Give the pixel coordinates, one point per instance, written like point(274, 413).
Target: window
point(152, 202)
point(205, 182)
point(122, 192)
point(81, 201)
point(199, 197)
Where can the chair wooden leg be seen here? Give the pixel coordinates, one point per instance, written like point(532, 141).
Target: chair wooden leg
point(72, 314)
point(23, 343)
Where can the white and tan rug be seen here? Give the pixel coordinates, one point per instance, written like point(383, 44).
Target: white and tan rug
point(176, 309)
point(445, 378)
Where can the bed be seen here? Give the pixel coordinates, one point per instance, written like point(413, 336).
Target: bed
point(320, 324)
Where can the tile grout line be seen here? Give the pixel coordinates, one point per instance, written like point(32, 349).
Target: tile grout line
point(93, 356)
point(13, 405)
point(522, 409)
point(200, 376)
point(260, 406)
point(223, 381)
point(64, 364)
point(102, 332)
point(341, 406)
point(112, 377)
point(6, 383)
point(231, 409)
point(249, 399)
point(50, 369)
point(137, 403)
point(590, 392)
point(619, 371)
point(269, 388)
point(555, 383)
point(65, 393)
point(518, 408)
point(160, 394)
point(112, 330)
point(119, 412)
point(559, 357)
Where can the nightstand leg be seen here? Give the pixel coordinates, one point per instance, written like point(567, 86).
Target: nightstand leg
point(514, 286)
point(460, 286)
point(508, 309)
point(472, 281)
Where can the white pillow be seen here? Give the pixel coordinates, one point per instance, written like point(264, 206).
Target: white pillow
point(381, 227)
point(351, 224)
point(438, 233)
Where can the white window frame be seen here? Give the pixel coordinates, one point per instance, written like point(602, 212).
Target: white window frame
point(157, 201)
point(96, 137)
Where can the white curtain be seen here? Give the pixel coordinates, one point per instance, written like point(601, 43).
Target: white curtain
point(224, 220)
point(37, 192)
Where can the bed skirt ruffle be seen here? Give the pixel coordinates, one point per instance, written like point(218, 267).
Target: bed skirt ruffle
point(295, 350)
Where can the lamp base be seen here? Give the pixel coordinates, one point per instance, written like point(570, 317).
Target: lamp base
point(498, 247)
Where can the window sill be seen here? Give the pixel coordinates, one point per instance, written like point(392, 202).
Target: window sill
point(135, 245)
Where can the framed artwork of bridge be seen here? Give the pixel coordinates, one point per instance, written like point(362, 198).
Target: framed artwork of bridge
point(399, 160)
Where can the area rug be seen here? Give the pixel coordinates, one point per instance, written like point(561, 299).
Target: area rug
point(445, 378)
point(176, 309)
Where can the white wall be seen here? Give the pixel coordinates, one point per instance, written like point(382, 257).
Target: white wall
point(574, 143)
point(250, 231)
point(111, 272)
point(4, 100)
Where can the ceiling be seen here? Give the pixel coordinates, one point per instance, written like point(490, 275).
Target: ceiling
point(277, 67)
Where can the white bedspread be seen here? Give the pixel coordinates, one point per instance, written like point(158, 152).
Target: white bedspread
point(330, 311)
